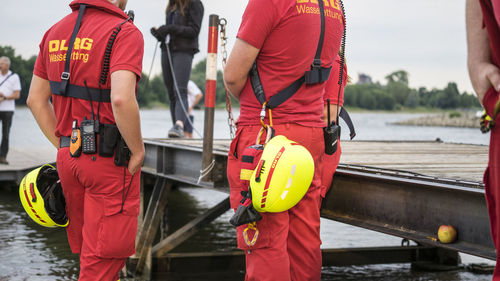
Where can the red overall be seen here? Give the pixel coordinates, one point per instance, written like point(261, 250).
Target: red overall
point(491, 16)
point(288, 245)
point(286, 33)
point(102, 200)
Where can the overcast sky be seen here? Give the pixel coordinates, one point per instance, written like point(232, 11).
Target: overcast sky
point(425, 38)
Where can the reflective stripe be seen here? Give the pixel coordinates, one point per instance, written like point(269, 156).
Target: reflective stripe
point(245, 174)
point(270, 175)
point(29, 203)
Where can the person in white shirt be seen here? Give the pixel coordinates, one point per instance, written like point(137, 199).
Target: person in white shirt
point(10, 90)
point(194, 96)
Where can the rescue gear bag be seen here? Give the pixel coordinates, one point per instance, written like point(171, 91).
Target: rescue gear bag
point(108, 138)
point(246, 213)
point(42, 197)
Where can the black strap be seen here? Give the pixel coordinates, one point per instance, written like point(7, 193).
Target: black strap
point(6, 78)
point(317, 74)
point(347, 119)
point(64, 141)
point(65, 75)
point(285, 94)
point(258, 90)
point(80, 92)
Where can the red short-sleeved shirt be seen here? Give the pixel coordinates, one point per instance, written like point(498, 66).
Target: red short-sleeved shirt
point(100, 18)
point(332, 85)
point(287, 34)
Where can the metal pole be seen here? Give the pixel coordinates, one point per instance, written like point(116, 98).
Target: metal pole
point(210, 90)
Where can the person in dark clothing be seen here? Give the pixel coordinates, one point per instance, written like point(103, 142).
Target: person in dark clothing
point(180, 36)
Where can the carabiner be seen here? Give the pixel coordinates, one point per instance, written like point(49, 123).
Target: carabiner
point(251, 226)
point(263, 115)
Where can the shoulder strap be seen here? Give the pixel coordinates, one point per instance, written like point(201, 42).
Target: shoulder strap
point(318, 74)
point(6, 78)
point(65, 75)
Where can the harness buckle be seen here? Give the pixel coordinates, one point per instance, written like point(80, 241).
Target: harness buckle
point(65, 76)
point(316, 64)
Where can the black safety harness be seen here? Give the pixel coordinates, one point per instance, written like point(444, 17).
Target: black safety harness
point(65, 88)
point(317, 74)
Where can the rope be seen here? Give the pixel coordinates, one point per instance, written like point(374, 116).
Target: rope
point(206, 171)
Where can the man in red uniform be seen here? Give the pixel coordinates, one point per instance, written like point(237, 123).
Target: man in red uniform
point(102, 199)
point(331, 162)
point(282, 37)
point(483, 62)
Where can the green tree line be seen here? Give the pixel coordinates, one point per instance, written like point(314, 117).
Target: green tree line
point(396, 95)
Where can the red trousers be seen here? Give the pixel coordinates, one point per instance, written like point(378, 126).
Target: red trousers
point(329, 165)
point(288, 244)
point(102, 205)
point(492, 179)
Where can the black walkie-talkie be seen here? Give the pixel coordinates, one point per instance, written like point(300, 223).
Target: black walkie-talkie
point(331, 134)
point(88, 133)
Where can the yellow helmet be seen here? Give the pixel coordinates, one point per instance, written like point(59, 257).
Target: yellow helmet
point(282, 177)
point(41, 194)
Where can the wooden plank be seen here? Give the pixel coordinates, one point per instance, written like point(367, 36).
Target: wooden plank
point(402, 155)
point(190, 229)
point(151, 222)
point(23, 160)
point(28, 157)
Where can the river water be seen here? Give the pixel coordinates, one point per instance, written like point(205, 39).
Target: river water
point(30, 252)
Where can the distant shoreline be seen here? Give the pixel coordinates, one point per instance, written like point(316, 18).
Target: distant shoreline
point(447, 119)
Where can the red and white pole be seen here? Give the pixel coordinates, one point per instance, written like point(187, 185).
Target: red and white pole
point(210, 94)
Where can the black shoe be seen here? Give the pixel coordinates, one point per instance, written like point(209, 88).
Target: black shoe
point(3, 160)
point(176, 132)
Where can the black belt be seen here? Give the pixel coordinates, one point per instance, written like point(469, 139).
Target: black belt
point(64, 142)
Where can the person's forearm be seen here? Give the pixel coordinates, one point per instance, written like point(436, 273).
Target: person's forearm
point(483, 72)
point(15, 95)
point(197, 99)
point(126, 109)
point(39, 103)
point(238, 65)
point(235, 87)
point(478, 49)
